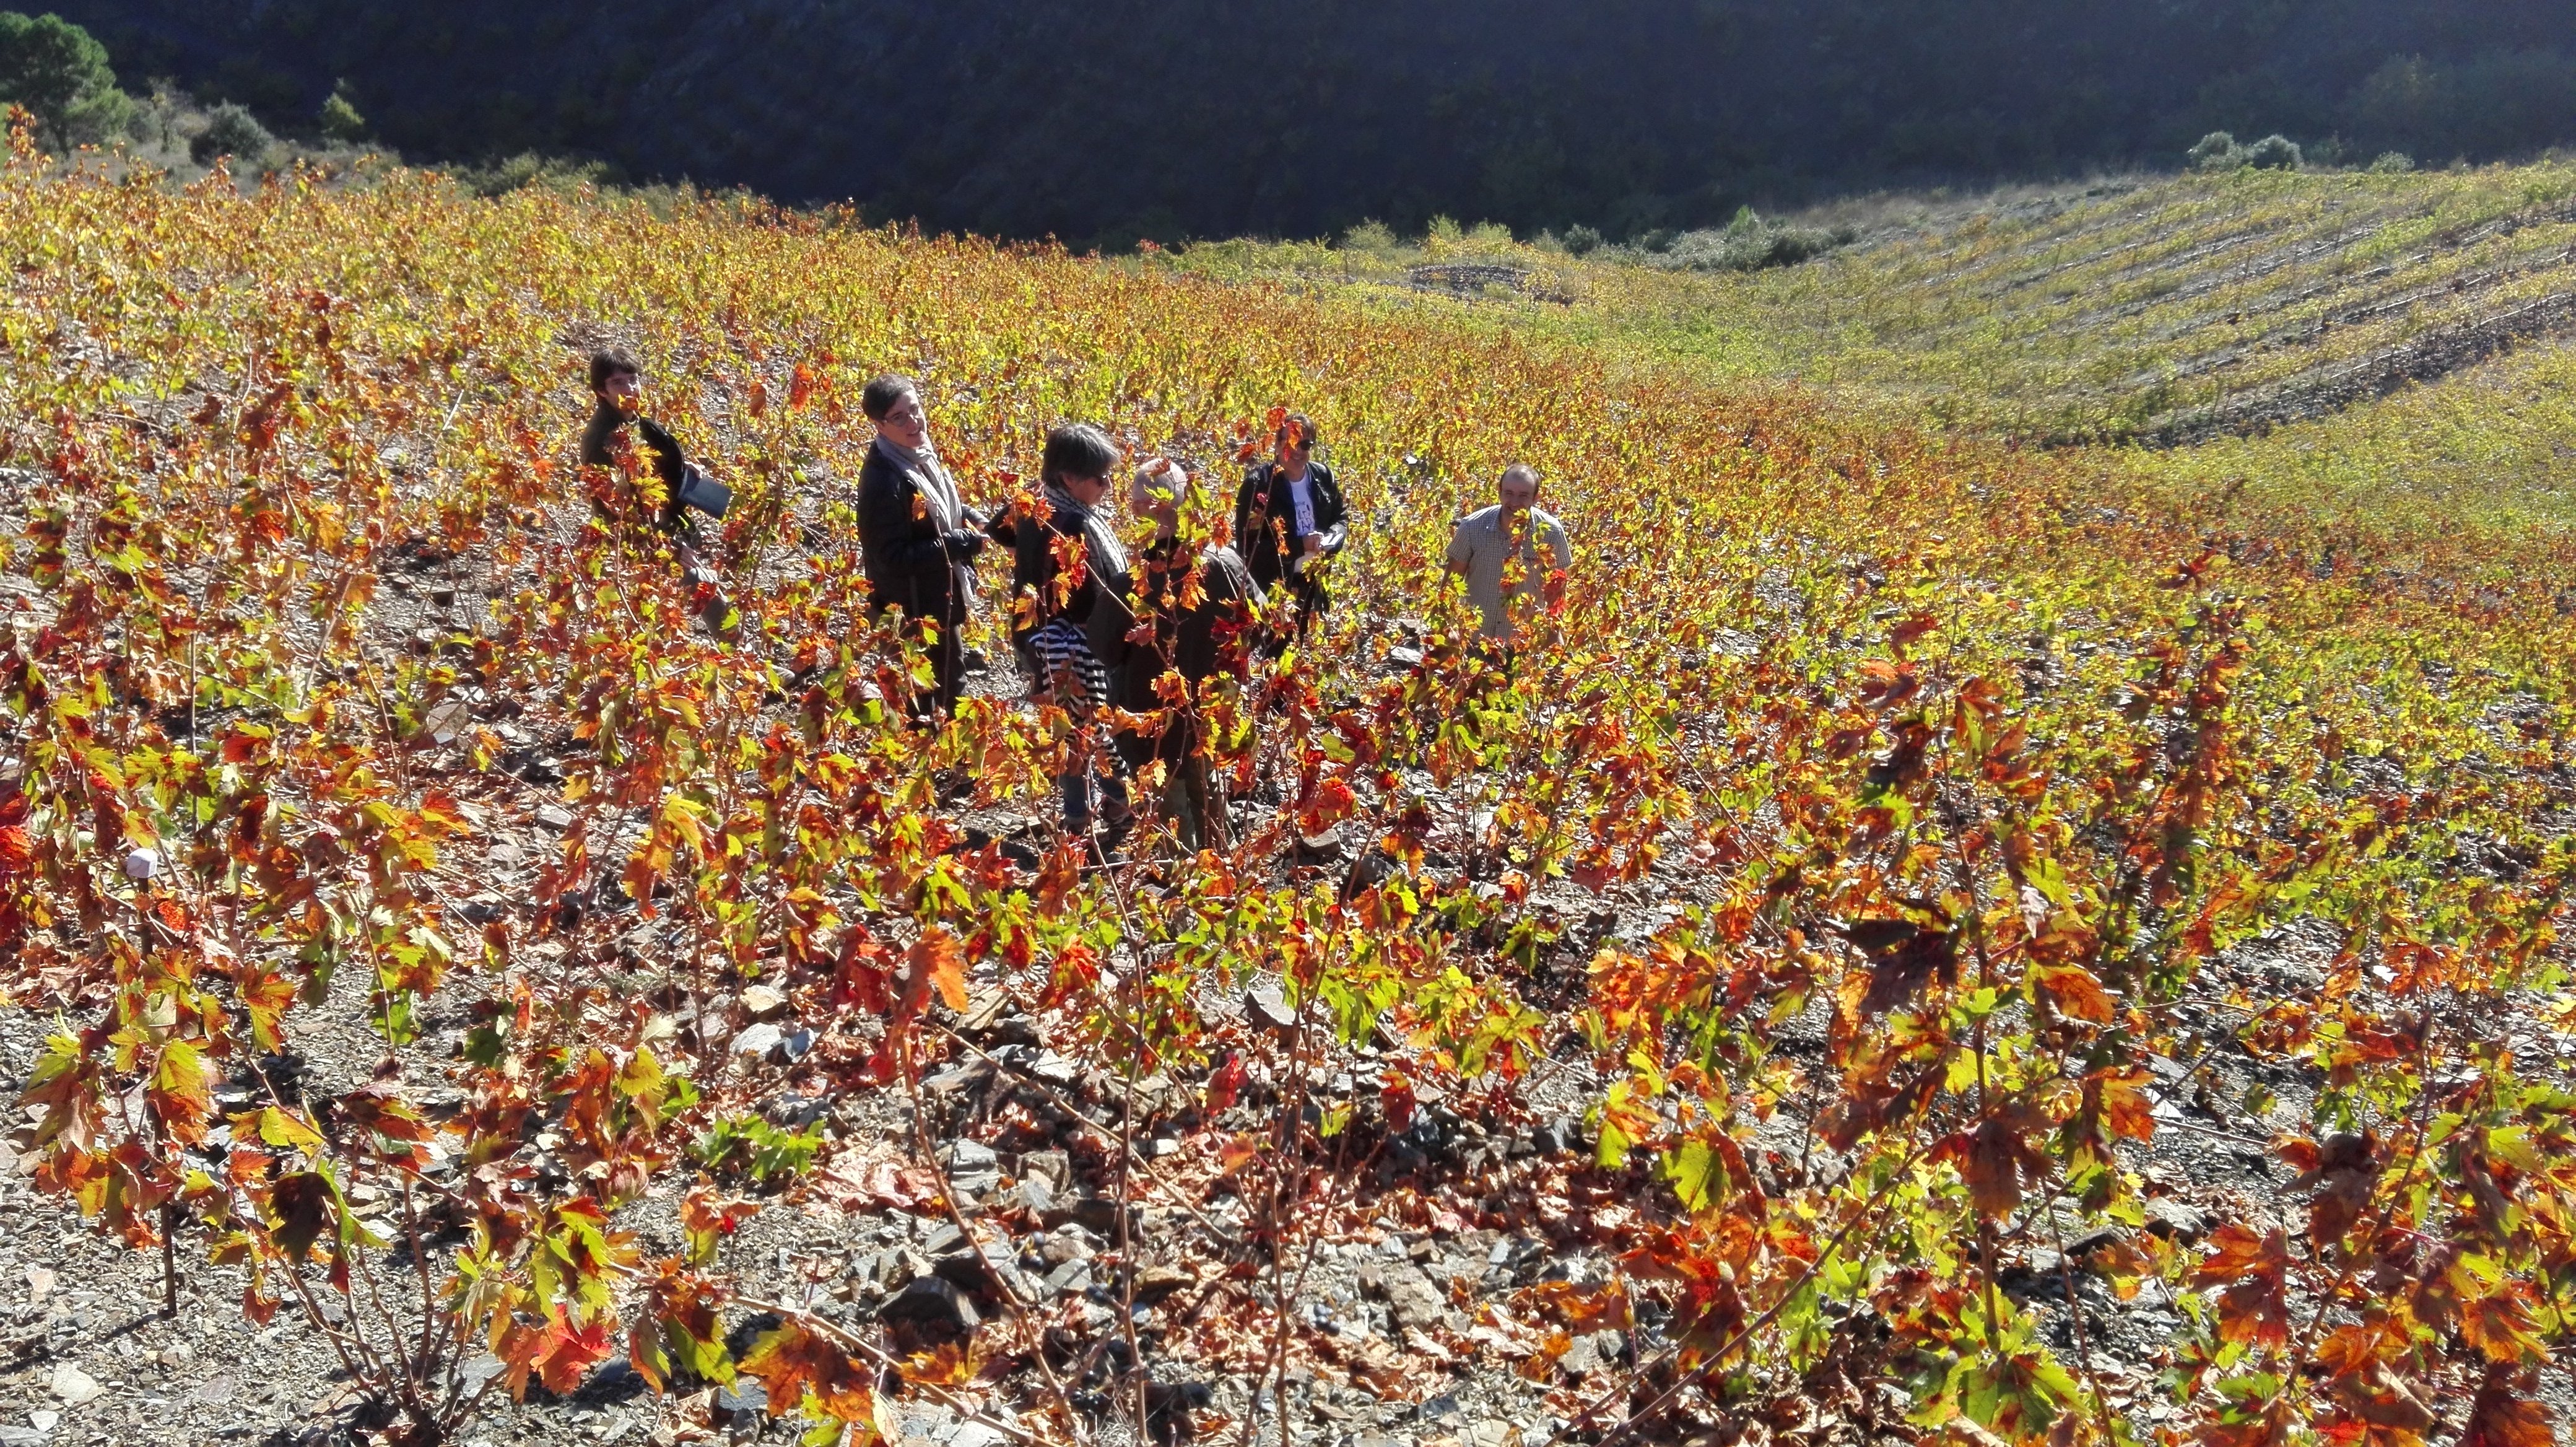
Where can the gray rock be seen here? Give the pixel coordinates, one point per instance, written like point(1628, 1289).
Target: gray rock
point(965, 1155)
point(1267, 1008)
point(554, 816)
point(934, 1303)
point(1070, 1279)
point(1096, 1216)
point(1033, 1196)
point(1557, 1137)
point(745, 1400)
point(1411, 1299)
point(758, 1041)
point(762, 1002)
point(2094, 1240)
point(1068, 1243)
point(2169, 1217)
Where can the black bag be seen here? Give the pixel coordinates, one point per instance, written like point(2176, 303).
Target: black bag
point(704, 493)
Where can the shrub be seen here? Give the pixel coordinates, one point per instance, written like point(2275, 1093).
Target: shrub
point(1750, 243)
point(2393, 163)
point(1582, 240)
point(2216, 151)
point(340, 119)
point(1371, 236)
point(230, 131)
point(526, 169)
point(2273, 153)
point(60, 74)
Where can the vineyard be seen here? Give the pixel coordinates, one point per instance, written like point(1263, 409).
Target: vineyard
point(1924, 941)
point(2284, 325)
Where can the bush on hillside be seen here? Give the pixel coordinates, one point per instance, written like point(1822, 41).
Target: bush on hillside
point(1752, 243)
point(340, 120)
point(230, 131)
point(2273, 153)
point(1369, 236)
point(2393, 163)
point(61, 75)
point(2216, 151)
point(1581, 240)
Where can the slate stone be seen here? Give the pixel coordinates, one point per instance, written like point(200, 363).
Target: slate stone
point(745, 1400)
point(1267, 1008)
point(2169, 1217)
point(933, 1303)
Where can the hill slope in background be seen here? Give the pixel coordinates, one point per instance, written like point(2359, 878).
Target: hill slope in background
point(1105, 122)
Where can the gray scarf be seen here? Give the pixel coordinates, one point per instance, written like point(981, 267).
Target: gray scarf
point(930, 479)
point(1107, 556)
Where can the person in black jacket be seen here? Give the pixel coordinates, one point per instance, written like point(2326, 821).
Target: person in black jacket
point(1289, 516)
point(917, 538)
point(1071, 590)
point(617, 382)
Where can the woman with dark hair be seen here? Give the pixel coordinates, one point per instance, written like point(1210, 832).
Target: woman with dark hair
point(1289, 518)
point(1074, 571)
point(917, 538)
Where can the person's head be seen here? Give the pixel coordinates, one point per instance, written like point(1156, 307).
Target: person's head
point(1079, 458)
point(1294, 444)
point(893, 402)
point(1158, 490)
point(615, 378)
point(1519, 488)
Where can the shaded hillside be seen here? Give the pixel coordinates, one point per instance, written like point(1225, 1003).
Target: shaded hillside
point(1106, 122)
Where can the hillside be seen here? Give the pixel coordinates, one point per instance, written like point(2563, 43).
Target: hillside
point(1190, 118)
point(1923, 941)
point(2386, 348)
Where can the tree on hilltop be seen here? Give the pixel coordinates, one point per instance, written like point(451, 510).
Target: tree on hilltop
point(60, 74)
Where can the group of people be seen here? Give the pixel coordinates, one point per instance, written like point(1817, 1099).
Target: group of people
point(1101, 632)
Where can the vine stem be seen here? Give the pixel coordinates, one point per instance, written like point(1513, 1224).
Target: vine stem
point(1743, 1334)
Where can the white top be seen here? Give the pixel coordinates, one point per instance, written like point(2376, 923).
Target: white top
point(1301, 492)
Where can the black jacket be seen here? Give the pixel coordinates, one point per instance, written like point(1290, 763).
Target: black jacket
point(1265, 520)
point(1098, 605)
point(599, 449)
point(910, 563)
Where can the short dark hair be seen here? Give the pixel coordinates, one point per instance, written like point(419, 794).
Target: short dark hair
point(1078, 450)
point(1302, 425)
point(607, 362)
point(880, 395)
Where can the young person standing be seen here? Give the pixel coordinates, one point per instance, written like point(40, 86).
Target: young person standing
point(617, 385)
